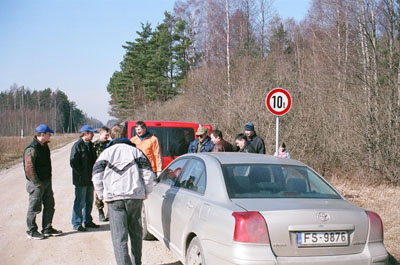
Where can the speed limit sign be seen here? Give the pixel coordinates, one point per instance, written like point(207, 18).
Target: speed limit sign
point(278, 101)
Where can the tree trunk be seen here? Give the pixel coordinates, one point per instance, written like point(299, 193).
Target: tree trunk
point(262, 8)
point(367, 90)
point(227, 44)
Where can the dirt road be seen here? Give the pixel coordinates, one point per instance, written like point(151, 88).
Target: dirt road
point(92, 247)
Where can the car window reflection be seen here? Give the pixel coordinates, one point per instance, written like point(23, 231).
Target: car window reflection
point(194, 177)
point(171, 174)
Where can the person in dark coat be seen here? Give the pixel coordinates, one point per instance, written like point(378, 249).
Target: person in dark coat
point(220, 145)
point(202, 143)
point(253, 138)
point(82, 159)
point(243, 144)
point(99, 145)
point(37, 167)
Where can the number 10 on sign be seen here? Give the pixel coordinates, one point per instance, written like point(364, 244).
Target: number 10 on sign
point(278, 101)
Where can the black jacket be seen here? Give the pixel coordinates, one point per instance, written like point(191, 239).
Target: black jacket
point(248, 148)
point(257, 143)
point(82, 159)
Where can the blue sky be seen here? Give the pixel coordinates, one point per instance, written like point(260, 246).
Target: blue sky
point(76, 45)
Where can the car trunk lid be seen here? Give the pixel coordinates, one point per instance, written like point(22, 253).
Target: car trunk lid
point(304, 227)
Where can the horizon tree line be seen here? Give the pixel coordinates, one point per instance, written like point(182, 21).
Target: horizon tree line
point(22, 109)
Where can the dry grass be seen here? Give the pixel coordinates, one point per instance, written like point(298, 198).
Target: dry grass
point(12, 147)
point(382, 199)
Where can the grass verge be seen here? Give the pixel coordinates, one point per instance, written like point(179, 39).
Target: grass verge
point(382, 199)
point(12, 147)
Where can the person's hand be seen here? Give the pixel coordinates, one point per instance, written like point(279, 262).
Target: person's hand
point(146, 196)
point(158, 173)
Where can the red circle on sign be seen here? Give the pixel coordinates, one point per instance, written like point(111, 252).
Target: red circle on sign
point(271, 94)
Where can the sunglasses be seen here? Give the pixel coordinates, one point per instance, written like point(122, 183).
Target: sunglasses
point(201, 136)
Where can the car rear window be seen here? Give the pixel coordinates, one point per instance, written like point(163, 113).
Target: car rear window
point(174, 141)
point(275, 181)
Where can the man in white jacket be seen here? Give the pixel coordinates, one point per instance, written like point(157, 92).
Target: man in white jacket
point(122, 177)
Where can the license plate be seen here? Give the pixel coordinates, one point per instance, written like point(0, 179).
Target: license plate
point(314, 239)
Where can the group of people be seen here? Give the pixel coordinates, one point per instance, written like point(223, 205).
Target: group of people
point(121, 175)
point(247, 142)
point(119, 171)
point(116, 170)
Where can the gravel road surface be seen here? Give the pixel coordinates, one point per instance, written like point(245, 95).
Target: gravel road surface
point(92, 247)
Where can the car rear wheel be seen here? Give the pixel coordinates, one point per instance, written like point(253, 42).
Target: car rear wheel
point(146, 235)
point(194, 255)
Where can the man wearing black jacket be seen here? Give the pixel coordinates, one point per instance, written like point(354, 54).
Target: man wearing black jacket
point(82, 159)
point(243, 144)
point(253, 138)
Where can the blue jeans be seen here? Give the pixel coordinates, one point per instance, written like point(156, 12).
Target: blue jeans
point(83, 205)
point(125, 219)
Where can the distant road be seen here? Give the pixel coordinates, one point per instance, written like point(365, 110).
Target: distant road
point(92, 247)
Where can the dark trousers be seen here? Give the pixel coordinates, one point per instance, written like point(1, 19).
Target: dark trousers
point(83, 204)
point(37, 197)
point(125, 220)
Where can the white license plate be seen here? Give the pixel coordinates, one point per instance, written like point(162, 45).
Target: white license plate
point(331, 238)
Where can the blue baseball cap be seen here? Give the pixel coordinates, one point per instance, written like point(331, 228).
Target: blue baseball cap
point(249, 126)
point(87, 128)
point(43, 128)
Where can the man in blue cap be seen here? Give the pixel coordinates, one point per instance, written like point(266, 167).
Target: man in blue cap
point(37, 167)
point(253, 138)
point(82, 159)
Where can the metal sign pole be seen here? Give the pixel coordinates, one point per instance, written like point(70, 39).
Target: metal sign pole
point(277, 136)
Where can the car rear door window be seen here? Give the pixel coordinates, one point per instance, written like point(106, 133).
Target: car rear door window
point(194, 177)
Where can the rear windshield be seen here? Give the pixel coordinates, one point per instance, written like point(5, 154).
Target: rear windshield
point(275, 181)
point(173, 141)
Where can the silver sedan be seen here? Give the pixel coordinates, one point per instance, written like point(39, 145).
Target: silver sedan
point(234, 208)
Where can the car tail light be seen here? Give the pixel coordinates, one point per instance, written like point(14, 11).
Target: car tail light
point(375, 227)
point(250, 227)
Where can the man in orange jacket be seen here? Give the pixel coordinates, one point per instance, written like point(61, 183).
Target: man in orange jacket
point(149, 145)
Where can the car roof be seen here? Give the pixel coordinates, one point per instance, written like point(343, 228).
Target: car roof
point(246, 158)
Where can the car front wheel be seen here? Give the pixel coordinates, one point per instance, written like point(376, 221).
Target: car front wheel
point(195, 254)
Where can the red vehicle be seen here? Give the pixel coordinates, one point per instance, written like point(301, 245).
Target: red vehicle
point(174, 136)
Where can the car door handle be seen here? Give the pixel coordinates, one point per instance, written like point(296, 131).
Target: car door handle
point(189, 205)
point(164, 195)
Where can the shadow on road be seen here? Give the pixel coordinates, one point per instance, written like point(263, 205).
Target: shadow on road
point(102, 228)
